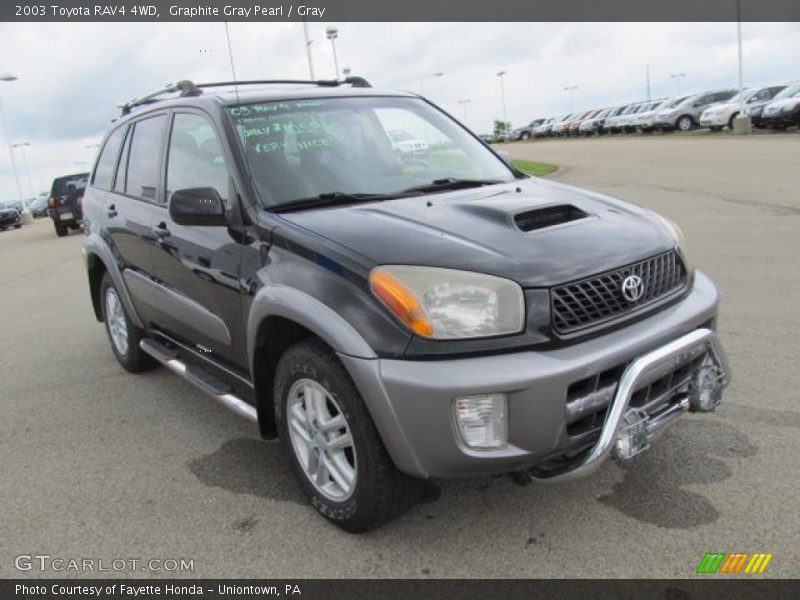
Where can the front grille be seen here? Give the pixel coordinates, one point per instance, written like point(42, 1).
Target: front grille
point(599, 299)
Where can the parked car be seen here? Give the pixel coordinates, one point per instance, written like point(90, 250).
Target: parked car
point(784, 109)
point(407, 145)
point(545, 129)
point(610, 124)
point(526, 132)
point(37, 206)
point(389, 325)
point(9, 216)
point(573, 127)
point(557, 130)
point(643, 121)
point(64, 205)
point(685, 115)
point(488, 138)
point(755, 109)
point(594, 124)
point(722, 115)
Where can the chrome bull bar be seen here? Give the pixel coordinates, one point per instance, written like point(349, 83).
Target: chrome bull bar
point(619, 415)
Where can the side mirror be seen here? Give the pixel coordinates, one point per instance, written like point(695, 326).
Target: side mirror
point(197, 206)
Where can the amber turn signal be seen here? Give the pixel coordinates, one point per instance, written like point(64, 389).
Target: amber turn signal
point(400, 301)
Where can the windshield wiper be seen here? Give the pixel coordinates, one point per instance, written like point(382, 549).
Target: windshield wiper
point(328, 199)
point(448, 183)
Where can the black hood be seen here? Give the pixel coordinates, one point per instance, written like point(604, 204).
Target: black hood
point(475, 230)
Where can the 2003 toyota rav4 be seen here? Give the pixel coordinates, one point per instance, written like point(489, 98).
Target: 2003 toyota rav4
point(390, 318)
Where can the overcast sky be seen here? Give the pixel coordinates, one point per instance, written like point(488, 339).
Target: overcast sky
point(72, 76)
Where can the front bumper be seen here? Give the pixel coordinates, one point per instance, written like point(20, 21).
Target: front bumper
point(412, 401)
point(715, 120)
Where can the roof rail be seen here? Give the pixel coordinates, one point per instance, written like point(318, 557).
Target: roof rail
point(353, 81)
point(189, 88)
point(185, 87)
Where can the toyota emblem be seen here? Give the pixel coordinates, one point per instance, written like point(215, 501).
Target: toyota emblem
point(632, 288)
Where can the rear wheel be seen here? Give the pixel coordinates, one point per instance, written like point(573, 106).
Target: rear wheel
point(61, 230)
point(122, 333)
point(525, 136)
point(332, 445)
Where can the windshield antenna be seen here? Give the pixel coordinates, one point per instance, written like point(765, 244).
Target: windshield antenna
point(233, 66)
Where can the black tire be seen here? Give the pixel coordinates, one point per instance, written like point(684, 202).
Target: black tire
point(61, 230)
point(381, 492)
point(731, 120)
point(716, 128)
point(18, 226)
point(684, 123)
point(525, 136)
point(133, 359)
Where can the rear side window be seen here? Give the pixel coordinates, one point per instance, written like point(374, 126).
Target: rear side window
point(144, 157)
point(107, 163)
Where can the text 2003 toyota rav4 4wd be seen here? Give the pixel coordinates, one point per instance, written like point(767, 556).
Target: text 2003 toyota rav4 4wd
point(389, 317)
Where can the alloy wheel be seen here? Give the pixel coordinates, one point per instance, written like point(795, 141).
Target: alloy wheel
point(321, 439)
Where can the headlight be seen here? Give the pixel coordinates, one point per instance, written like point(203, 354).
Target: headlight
point(448, 304)
point(680, 241)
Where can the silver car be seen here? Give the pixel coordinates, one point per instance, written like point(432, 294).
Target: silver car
point(643, 120)
point(685, 115)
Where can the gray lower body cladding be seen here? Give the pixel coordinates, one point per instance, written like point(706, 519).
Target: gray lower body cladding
point(412, 401)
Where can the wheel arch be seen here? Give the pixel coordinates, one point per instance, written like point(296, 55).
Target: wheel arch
point(100, 260)
point(281, 316)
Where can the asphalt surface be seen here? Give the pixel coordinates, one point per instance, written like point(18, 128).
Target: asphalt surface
point(97, 463)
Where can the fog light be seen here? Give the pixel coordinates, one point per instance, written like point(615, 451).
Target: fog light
point(632, 436)
point(705, 390)
point(482, 420)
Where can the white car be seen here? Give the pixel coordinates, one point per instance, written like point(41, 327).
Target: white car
point(722, 115)
point(644, 118)
point(407, 145)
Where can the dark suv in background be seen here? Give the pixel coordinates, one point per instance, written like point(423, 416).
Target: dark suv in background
point(64, 205)
point(389, 318)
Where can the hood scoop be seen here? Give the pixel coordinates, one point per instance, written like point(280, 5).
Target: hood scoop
point(548, 216)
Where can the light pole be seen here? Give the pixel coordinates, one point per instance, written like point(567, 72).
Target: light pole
point(332, 33)
point(502, 74)
point(25, 164)
point(571, 89)
point(741, 124)
point(9, 77)
point(308, 50)
point(422, 81)
point(677, 77)
point(647, 76)
point(346, 72)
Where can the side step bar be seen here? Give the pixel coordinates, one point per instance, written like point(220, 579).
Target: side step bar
point(218, 391)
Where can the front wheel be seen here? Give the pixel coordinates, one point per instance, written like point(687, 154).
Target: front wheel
point(332, 445)
point(525, 136)
point(685, 123)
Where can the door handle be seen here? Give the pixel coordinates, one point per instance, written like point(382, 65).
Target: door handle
point(111, 211)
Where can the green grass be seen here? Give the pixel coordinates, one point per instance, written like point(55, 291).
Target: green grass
point(534, 168)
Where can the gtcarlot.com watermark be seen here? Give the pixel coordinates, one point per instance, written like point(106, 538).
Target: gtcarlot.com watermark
point(46, 562)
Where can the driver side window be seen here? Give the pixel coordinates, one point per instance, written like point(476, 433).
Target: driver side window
point(195, 158)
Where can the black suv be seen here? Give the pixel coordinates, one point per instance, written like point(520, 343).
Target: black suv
point(389, 317)
point(64, 205)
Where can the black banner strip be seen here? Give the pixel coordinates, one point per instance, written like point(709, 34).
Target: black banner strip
point(734, 587)
point(407, 10)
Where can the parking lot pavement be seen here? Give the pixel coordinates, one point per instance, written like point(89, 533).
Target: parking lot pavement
point(98, 463)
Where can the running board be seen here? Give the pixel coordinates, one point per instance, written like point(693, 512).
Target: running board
point(170, 359)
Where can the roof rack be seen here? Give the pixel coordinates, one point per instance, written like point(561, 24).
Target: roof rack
point(189, 88)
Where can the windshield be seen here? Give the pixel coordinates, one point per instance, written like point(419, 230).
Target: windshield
point(788, 92)
point(302, 149)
